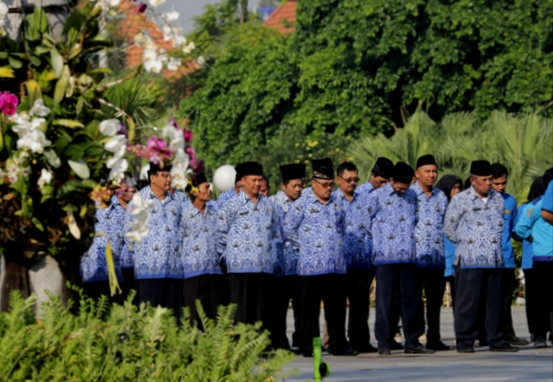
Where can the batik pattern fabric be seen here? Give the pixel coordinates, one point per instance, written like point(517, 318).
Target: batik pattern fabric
point(181, 197)
point(226, 196)
point(109, 225)
point(316, 231)
point(157, 255)
point(475, 226)
point(509, 215)
point(247, 233)
point(357, 244)
point(290, 254)
point(366, 188)
point(393, 220)
point(429, 232)
point(198, 241)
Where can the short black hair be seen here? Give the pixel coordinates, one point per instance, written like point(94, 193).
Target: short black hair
point(548, 176)
point(498, 170)
point(345, 166)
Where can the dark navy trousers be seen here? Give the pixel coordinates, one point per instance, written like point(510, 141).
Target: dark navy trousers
point(475, 289)
point(389, 279)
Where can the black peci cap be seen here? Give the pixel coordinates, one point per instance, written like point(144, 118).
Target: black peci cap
point(481, 168)
point(323, 169)
point(292, 171)
point(403, 173)
point(426, 160)
point(383, 168)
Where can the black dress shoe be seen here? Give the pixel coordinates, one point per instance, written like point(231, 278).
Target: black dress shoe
point(394, 345)
point(366, 349)
point(504, 348)
point(539, 343)
point(418, 350)
point(343, 352)
point(384, 351)
point(517, 341)
point(465, 349)
point(438, 346)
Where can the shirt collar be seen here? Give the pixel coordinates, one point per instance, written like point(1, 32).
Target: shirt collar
point(244, 198)
point(311, 198)
point(418, 190)
point(150, 194)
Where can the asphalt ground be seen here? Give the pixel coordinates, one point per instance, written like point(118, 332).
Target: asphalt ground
point(528, 364)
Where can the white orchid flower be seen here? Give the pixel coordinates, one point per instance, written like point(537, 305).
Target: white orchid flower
point(174, 64)
point(45, 178)
point(172, 16)
point(151, 60)
point(34, 140)
point(39, 109)
point(156, 3)
point(110, 127)
point(117, 145)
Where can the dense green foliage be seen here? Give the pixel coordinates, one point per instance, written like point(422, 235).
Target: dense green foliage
point(124, 343)
point(354, 68)
point(524, 144)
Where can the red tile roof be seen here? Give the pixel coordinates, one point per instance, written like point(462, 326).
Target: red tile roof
point(283, 17)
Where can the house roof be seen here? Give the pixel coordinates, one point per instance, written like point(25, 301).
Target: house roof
point(284, 17)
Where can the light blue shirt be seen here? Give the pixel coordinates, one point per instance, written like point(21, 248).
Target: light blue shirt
point(527, 250)
point(476, 228)
point(247, 233)
point(109, 225)
point(357, 243)
point(157, 255)
point(547, 203)
point(509, 215)
point(365, 188)
point(316, 230)
point(198, 241)
point(532, 224)
point(289, 254)
point(429, 232)
point(226, 196)
point(394, 218)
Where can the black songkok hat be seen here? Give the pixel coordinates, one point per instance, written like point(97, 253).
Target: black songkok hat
point(323, 169)
point(198, 179)
point(403, 173)
point(292, 171)
point(383, 168)
point(481, 168)
point(426, 160)
point(154, 167)
point(249, 168)
point(238, 175)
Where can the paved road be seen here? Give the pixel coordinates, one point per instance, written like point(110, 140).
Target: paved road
point(528, 364)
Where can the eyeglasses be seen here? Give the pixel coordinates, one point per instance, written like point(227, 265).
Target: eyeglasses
point(324, 185)
point(354, 179)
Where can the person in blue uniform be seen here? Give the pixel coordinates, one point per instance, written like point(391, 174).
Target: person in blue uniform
point(287, 286)
point(451, 185)
point(533, 226)
point(547, 205)
point(357, 250)
point(429, 234)
point(499, 184)
point(531, 294)
point(233, 192)
point(247, 229)
point(380, 174)
point(393, 212)
point(157, 262)
point(315, 225)
point(474, 223)
point(203, 277)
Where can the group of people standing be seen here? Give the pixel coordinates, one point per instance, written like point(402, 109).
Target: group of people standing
point(303, 245)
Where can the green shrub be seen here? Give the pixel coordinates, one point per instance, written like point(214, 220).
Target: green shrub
point(102, 342)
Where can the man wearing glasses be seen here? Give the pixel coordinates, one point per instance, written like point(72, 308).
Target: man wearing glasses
point(357, 252)
point(315, 225)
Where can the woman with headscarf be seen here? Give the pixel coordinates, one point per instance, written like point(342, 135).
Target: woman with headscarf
point(451, 185)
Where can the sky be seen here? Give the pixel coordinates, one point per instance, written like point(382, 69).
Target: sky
point(191, 8)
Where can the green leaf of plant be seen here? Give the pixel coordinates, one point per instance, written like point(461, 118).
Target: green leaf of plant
point(37, 223)
point(52, 158)
point(33, 91)
point(35, 60)
point(6, 72)
point(15, 63)
point(68, 123)
point(56, 61)
point(61, 85)
point(74, 152)
point(80, 168)
point(40, 20)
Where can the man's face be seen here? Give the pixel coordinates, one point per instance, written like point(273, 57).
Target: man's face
point(348, 181)
point(126, 192)
point(377, 181)
point(204, 192)
point(293, 188)
point(161, 181)
point(264, 190)
point(399, 187)
point(481, 184)
point(499, 184)
point(427, 175)
point(252, 184)
point(322, 188)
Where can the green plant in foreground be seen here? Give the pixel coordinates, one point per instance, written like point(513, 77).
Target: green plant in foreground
point(102, 342)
